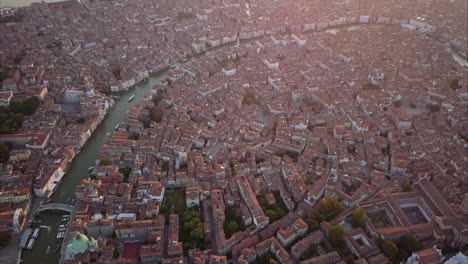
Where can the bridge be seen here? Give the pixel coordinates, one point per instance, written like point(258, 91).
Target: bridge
point(55, 206)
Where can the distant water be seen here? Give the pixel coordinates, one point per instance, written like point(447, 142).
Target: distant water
point(18, 3)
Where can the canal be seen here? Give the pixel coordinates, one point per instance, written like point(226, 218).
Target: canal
point(47, 247)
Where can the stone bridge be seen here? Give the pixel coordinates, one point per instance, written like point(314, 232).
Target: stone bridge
point(55, 206)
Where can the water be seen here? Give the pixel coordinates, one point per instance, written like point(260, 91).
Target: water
point(79, 170)
point(19, 3)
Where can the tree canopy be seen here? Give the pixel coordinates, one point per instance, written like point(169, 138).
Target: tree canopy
point(409, 244)
point(328, 208)
point(6, 72)
point(455, 84)
point(249, 97)
point(406, 187)
point(313, 224)
point(105, 162)
point(4, 152)
point(156, 114)
point(193, 234)
point(359, 217)
point(12, 116)
point(390, 249)
point(336, 235)
point(234, 222)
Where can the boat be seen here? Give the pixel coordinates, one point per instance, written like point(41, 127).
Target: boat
point(131, 98)
point(31, 243)
point(90, 168)
point(25, 237)
point(36, 233)
point(116, 127)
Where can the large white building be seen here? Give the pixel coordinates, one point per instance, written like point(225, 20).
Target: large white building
point(72, 95)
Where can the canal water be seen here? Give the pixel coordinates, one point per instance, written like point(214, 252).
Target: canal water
point(46, 247)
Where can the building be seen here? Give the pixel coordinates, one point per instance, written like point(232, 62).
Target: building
point(426, 256)
point(138, 230)
point(10, 85)
point(80, 244)
point(99, 227)
point(5, 98)
point(73, 95)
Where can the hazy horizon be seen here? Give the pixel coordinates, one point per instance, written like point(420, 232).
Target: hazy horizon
point(19, 3)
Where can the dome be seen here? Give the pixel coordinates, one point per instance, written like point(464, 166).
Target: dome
point(81, 243)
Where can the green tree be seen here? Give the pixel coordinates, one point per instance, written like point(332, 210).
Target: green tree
point(271, 214)
point(232, 227)
point(156, 114)
point(272, 261)
point(197, 234)
point(249, 97)
point(134, 136)
point(6, 72)
point(390, 249)
point(406, 187)
point(26, 106)
point(313, 224)
point(328, 208)
point(126, 173)
point(359, 217)
point(157, 98)
point(409, 244)
point(5, 239)
point(12, 116)
point(4, 152)
point(397, 103)
point(370, 86)
point(336, 235)
point(455, 84)
point(105, 162)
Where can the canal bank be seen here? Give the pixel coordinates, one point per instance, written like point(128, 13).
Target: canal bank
point(44, 250)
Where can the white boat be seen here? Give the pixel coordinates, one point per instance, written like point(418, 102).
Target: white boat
point(36, 233)
point(61, 234)
point(90, 168)
point(116, 127)
point(131, 98)
point(31, 243)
